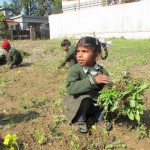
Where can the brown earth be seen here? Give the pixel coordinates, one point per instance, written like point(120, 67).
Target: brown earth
point(30, 99)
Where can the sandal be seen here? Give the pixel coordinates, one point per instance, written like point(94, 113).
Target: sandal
point(81, 127)
point(105, 124)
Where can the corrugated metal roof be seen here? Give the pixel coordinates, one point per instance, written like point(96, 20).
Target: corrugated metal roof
point(11, 22)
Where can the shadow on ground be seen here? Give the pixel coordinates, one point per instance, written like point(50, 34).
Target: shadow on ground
point(17, 118)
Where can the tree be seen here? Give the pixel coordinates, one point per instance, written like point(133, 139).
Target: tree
point(5, 4)
point(3, 26)
point(57, 6)
point(16, 5)
point(34, 7)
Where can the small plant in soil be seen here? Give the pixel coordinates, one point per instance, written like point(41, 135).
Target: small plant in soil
point(39, 136)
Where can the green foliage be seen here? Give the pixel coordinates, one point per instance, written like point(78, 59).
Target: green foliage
point(142, 131)
point(3, 25)
point(115, 145)
point(124, 97)
point(57, 6)
point(40, 7)
point(39, 136)
point(74, 142)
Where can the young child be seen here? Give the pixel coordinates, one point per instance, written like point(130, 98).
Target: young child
point(13, 56)
point(70, 57)
point(84, 81)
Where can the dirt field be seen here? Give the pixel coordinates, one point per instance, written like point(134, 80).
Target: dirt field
point(30, 99)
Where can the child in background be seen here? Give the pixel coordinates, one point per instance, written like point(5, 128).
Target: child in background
point(70, 57)
point(84, 81)
point(13, 56)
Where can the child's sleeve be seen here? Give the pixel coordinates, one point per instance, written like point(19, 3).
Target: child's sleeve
point(70, 54)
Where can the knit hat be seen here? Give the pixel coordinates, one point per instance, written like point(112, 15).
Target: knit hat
point(6, 45)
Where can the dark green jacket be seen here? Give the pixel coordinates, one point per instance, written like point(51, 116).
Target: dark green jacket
point(79, 87)
point(70, 57)
point(14, 57)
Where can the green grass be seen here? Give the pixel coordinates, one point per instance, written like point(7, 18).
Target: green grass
point(124, 54)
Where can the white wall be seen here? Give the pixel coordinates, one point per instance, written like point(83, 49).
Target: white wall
point(129, 20)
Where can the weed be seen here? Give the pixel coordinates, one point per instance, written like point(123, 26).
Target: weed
point(141, 131)
point(142, 61)
point(124, 97)
point(74, 142)
point(117, 144)
point(56, 103)
point(62, 90)
point(39, 136)
point(58, 120)
point(54, 134)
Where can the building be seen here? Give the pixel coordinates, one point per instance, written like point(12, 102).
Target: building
point(23, 22)
point(26, 26)
point(26, 21)
point(7, 12)
point(74, 5)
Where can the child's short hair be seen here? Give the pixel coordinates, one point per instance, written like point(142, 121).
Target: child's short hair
point(65, 42)
point(93, 43)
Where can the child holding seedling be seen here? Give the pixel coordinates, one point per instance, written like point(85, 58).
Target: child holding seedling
point(84, 81)
point(13, 56)
point(70, 57)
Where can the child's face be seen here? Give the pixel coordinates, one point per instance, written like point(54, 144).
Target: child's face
point(86, 56)
point(7, 49)
point(65, 48)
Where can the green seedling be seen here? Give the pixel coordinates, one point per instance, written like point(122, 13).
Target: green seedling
point(39, 136)
point(142, 131)
point(74, 142)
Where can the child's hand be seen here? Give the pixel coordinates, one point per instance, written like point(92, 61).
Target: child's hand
point(101, 78)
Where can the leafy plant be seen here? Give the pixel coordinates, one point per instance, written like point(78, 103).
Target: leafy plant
point(141, 131)
point(74, 142)
point(39, 136)
point(124, 97)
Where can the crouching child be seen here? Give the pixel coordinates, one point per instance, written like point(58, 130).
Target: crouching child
point(84, 81)
point(13, 56)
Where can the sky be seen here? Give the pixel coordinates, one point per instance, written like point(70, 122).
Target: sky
point(1, 2)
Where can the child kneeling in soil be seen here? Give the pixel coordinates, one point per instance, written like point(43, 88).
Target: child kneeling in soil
point(84, 81)
point(13, 56)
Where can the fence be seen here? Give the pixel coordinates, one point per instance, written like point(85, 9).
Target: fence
point(83, 5)
point(25, 34)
